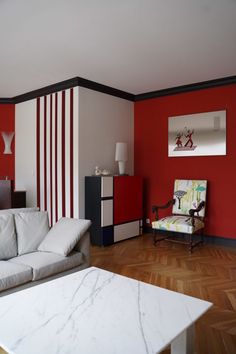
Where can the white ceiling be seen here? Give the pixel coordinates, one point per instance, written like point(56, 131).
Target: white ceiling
point(133, 45)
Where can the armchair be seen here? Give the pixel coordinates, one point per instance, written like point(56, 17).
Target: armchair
point(188, 213)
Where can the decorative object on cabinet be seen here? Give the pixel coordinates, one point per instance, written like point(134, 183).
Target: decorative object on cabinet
point(105, 172)
point(121, 156)
point(9, 198)
point(189, 199)
point(97, 171)
point(7, 138)
point(114, 205)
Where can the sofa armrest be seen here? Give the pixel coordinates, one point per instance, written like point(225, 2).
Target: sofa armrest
point(84, 247)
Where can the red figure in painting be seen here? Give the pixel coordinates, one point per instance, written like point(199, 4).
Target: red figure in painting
point(178, 140)
point(189, 136)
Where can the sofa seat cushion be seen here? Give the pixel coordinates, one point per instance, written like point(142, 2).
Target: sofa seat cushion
point(12, 274)
point(8, 245)
point(45, 264)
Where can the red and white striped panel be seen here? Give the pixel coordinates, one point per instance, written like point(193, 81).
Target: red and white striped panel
point(57, 154)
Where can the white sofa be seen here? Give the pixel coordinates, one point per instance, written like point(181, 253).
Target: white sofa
point(31, 253)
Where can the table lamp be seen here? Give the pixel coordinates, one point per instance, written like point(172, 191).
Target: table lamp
point(121, 156)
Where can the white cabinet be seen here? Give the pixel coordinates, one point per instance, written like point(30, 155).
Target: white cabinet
point(127, 230)
point(106, 212)
point(106, 187)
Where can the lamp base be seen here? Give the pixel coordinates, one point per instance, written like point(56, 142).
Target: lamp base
point(121, 165)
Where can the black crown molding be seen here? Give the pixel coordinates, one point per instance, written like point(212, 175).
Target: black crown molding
point(76, 81)
point(6, 100)
point(186, 88)
point(63, 85)
point(105, 89)
point(79, 81)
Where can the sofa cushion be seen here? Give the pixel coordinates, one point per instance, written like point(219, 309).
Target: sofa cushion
point(8, 245)
point(45, 264)
point(64, 235)
point(12, 274)
point(31, 228)
point(18, 210)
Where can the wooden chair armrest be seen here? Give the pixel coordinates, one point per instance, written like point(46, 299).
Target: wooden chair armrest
point(199, 208)
point(193, 211)
point(167, 205)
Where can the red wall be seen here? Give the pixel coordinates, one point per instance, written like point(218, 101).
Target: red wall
point(7, 124)
point(159, 171)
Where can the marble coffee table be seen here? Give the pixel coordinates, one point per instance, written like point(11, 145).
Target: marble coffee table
point(97, 312)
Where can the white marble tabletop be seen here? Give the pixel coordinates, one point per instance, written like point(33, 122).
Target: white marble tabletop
point(95, 311)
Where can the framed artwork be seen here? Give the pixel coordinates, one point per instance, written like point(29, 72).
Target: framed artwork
point(201, 134)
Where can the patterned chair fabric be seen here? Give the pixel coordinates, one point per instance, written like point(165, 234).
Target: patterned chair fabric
point(187, 194)
point(178, 223)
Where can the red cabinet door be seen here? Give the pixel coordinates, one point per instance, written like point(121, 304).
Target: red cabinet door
point(128, 200)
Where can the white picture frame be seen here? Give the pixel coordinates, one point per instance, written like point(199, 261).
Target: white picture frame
point(199, 134)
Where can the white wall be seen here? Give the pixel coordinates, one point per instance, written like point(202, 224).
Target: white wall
point(103, 121)
point(25, 150)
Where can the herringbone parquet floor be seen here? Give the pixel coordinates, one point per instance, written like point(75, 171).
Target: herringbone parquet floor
point(209, 274)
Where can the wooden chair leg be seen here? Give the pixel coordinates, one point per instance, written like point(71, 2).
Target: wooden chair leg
point(202, 237)
point(190, 243)
point(196, 243)
point(154, 237)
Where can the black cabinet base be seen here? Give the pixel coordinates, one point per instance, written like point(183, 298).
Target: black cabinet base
point(107, 235)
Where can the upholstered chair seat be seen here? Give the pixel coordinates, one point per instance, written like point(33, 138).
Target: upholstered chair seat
point(178, 223)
